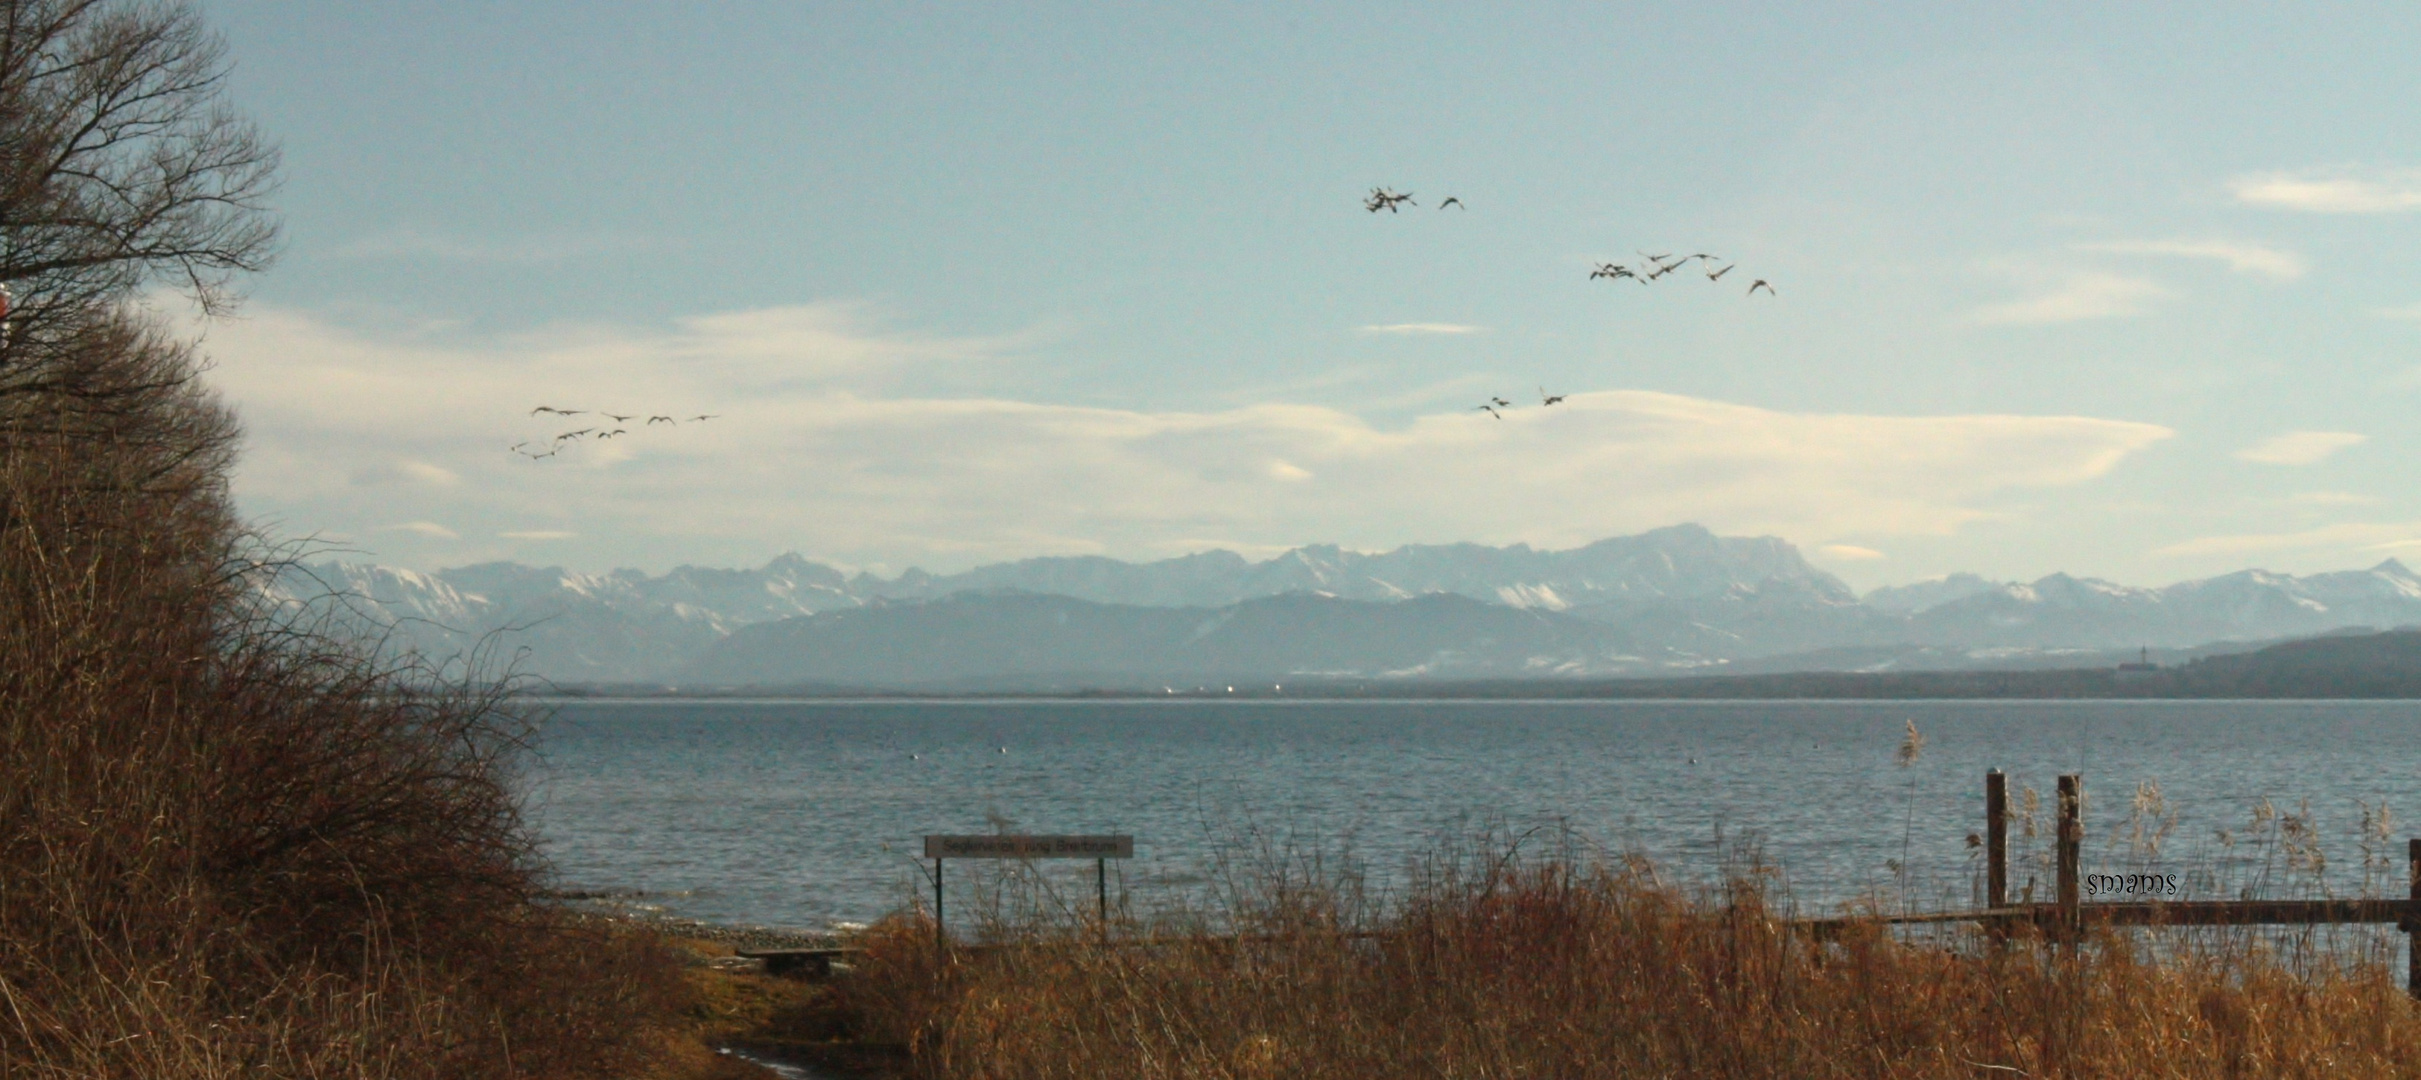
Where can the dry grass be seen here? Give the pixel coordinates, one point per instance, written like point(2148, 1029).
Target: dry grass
point(1553, 970)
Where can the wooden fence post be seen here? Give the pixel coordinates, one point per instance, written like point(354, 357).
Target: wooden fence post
point(2412, 923)
point(1996, 839)
point(2071, 853)
point(1996, 855)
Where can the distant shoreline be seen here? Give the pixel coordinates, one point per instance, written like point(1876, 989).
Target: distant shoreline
point(2365, 667)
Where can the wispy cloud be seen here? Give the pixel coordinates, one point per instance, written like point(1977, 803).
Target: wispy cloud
point(1422, 328)
point(813, 454)
point(1848, 552)
point(414, 244)
point(2333, 498)
point(406, 471)
point(2355, 536)
point(2241, 258)
point(429, 529)
point(2332, 191)
point(2075, 298)
point(2300, 447)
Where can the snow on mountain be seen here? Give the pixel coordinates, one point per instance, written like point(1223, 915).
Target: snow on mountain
point(2244, 606)
point(1673, 599)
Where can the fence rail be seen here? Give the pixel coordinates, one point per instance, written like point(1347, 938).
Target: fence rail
point(2068, 916)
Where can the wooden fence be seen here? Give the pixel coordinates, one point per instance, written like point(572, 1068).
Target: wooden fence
point(2068, 915)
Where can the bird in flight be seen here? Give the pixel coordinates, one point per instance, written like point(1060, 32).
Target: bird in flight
point(666, 419)
point(708, 416)
point(1760, 283)
point(556, 411)
point(613, 417)
point(1611, 270)
point(1545, 398)
point(1657, 259)
point(1717, 275)
point(1454, 202)
point(1489, 409)
point(1385, 199)
point(574, 434)
point(1500, 402)
point(610, 434)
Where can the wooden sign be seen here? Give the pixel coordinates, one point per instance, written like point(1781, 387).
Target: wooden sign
point(998, 846)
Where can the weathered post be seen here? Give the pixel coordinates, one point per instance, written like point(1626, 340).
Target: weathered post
point(2071, 852)
point(1996, 855)
point(1101, 894)
point(941, 939)
point(1996, 839)
point(2412, 923)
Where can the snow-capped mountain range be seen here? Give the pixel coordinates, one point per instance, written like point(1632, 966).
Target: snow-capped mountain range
point(1673, 600)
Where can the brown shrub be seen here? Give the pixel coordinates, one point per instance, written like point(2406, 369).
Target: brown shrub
point(229, 841)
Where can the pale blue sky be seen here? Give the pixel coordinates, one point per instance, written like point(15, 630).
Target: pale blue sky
point(976, 283)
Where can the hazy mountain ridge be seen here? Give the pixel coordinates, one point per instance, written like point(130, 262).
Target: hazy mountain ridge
point(1029, 640)
point(1673, 600)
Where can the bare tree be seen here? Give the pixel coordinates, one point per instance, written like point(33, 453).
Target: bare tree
point(122, 166)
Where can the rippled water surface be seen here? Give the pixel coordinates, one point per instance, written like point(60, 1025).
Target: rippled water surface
point(802, 814)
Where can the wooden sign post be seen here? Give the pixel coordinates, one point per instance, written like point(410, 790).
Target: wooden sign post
point(1100, 849)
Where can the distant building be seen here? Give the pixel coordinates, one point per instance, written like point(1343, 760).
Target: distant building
point(2139, 667)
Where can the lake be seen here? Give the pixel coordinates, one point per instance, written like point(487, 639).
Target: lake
point(802, 814)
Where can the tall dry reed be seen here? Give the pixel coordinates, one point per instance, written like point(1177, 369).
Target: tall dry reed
point(1558, 969)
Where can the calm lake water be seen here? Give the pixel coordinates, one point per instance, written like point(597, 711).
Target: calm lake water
point(799, 814)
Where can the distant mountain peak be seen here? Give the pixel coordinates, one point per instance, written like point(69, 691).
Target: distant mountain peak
point(1667, 599)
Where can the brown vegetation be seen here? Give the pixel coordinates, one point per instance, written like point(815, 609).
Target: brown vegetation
point(1557, 971)
point(230, 844)
point(231, 841)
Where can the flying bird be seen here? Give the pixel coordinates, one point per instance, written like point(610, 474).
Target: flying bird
point(1384, 199)
point(611, 434)
point(1452, 201)
point(1611, 270)
point(1500, 402)
point(556, 411)
point(1760, 283)
point(1717, 275)
point(708, 416)
point(1545, 398)
point(1489, 409)
point(669, 420)
point(616, 418)
point(574, 434)
point(1657, 259)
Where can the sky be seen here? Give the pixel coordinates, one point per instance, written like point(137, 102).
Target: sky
point(2126, 291)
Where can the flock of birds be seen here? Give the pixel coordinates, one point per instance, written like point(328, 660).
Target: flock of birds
point(1656, 267)
point(609, 429)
